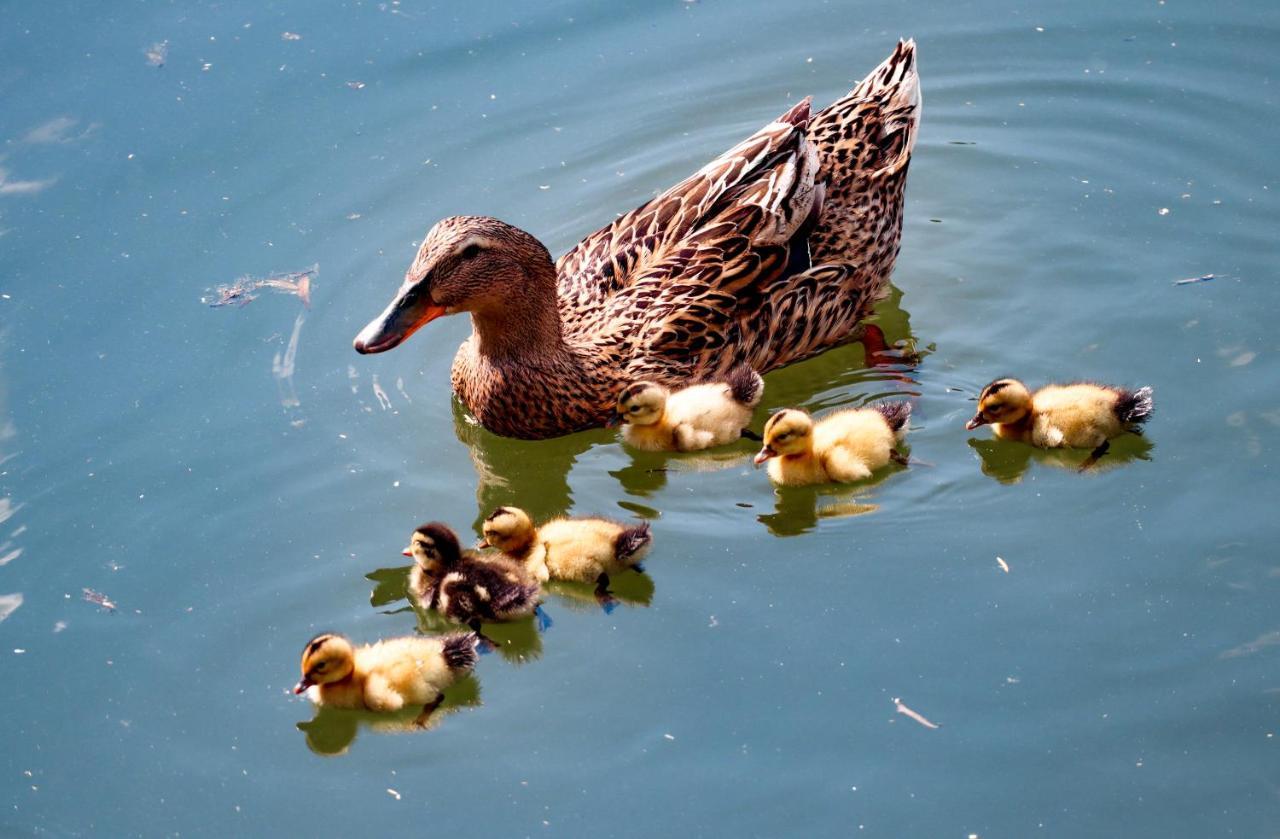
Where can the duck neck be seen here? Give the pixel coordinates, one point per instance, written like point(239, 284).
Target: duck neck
point(524, 329)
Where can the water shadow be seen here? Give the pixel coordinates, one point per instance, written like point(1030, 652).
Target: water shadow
point(1008, 461)
point(332, 730)
point(797, 510)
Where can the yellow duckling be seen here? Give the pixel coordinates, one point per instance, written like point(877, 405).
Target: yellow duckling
point(579, 550)
point(387, 675)
point(692, 418)
point(841, 447)
point(467, 587)
point(1079, 415)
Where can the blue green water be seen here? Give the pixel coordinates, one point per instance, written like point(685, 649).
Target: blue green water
point(1075, 160)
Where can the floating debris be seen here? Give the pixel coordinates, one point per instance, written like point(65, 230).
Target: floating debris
point(290, 36)
point(282, 366)
point(156, 53)
point(1004, 566)
point(100, 599)
point(393, 793)
point(242, 291)
point(1202, 279)
point(907, 712)
point(356, 85)
point(9, 604)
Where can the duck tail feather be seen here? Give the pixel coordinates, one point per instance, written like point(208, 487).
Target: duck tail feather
point(460, 650)
point(633, 543)
point(1135, 406)
point(745, 385)
point(896, 413)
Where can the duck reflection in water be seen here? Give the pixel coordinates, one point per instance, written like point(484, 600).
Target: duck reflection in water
point(799, 509)
point(332, 730)
point(1008, 461)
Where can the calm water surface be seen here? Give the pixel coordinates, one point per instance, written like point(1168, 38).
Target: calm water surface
point(233, 497)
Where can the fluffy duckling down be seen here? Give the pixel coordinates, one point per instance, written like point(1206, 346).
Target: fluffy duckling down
point(690, 419)
point(1080, 415)
point(385, 676)
point(841, 447)
point(573, 549)
point(467, 587)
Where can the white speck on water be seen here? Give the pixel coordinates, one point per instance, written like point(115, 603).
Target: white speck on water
point(669, 736)
point(1164, 211)
point(1243, 358)
point(393, 793)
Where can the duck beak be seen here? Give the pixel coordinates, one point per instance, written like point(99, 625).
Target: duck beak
point(407, 552)
point(408, 313)
point(764, 454)
point(978, 419)
point(301, 687)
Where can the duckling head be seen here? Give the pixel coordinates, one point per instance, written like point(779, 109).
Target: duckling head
point(509, 529)
point(1002, 401)
point(466, 264)
point(434, 544)
point(790, 431)
point(642, 403)
point(326, 658)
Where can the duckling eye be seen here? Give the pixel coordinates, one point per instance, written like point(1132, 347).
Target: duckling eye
point(470, 252)
point(320, 666)
point(635, 409)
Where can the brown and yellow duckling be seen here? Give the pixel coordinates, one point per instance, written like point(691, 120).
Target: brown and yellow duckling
point(387, 675)
point(697, 417)
point(1081, 415)
point(841, 447)
point(467, 587)
point(574, 549)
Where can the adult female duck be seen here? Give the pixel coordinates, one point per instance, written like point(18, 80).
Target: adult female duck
point(771, 253)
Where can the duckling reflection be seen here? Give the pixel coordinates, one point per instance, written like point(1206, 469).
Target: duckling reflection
point(647, 473)
point(798, 510)
point(332, 730)
point(1007, 462)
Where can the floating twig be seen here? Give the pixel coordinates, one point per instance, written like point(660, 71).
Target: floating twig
point(1202, 279)
point(1004, 566)
point(242, 291)
point(905, 711)
point(99, 599)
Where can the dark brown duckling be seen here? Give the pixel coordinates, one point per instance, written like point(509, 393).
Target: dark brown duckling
point(468, 587)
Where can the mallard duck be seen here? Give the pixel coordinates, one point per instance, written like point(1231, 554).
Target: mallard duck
point(839, 448)
point(574, 549)
point(387, 675)
point(771, 253)
point(1082, 415)
point(657, 419)
point(464, 586)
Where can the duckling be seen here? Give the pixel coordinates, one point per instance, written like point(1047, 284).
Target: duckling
point(841, 447)
point(465, 586)
point(387, 675)
point(693, 418)
point(1081, 415)
point(580, 550)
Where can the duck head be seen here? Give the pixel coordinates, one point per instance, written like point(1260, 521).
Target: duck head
point(326, 658)
point(434, 546)
point(641, 403)
point(790, 431)
point(1003, 401)
point(509, 529)
point(471, 264)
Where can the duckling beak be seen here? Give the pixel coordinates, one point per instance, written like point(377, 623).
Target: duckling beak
point(764, 454)
point(407, 552)
point(301, 687)
point(407, 313)
point(978, 419)
point(482, 544)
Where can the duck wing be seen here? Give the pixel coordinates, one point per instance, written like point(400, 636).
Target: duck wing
point(772, 169)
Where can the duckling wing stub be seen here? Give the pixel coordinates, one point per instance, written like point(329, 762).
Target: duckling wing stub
point(616, 256)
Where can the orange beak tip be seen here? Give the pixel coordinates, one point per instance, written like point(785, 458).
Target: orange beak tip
point(406, 552)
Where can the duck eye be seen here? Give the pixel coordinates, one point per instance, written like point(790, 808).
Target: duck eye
point(470, 251)
point(635, 409)
point(320, 666)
